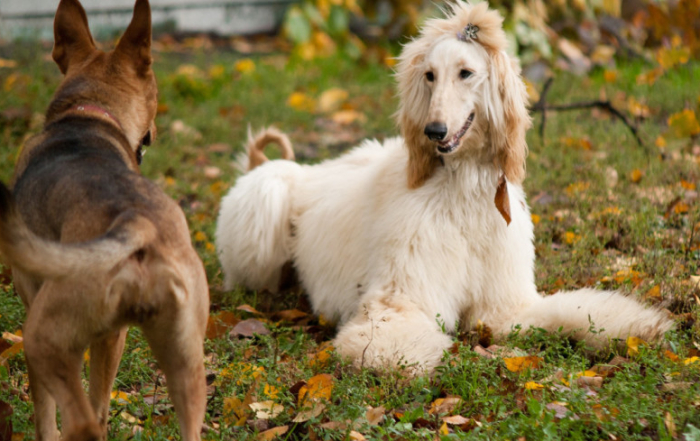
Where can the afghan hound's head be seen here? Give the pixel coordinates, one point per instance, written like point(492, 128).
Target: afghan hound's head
point(460, 91)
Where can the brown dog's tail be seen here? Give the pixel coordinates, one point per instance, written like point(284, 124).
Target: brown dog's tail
point(48, 259)
point(255, 148)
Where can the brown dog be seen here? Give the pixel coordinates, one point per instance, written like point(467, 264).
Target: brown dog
point(94, 246)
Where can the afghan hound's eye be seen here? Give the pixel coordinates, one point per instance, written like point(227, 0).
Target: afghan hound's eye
point(429, 76)
point(464, 74)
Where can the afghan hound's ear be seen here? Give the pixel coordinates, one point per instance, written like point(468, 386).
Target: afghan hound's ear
point(413, 111)
point(508, 115)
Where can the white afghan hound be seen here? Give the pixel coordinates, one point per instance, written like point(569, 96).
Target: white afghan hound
point(402, 242)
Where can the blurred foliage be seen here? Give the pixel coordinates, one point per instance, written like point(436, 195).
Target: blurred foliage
point(572, 34)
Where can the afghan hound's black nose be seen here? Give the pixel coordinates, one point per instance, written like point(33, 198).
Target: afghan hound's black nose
point(436, 131)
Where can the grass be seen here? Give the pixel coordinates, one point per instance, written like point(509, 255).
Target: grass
point(630, 236)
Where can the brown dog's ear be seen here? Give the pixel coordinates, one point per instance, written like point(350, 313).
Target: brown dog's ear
point(72, 39)
point(413, 113)
point(508, 115)
point(135, 44)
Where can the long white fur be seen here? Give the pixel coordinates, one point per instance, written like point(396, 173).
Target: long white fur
point(397, 246)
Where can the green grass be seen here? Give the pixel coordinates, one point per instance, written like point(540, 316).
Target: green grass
point(611, 228)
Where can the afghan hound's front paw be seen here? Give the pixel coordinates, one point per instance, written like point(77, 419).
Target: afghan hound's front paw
point(392, 331)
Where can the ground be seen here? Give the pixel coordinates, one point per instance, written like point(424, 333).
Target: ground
point(607, 211)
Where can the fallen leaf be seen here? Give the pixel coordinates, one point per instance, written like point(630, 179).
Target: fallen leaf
point(347, 117)
point(301, 102)
point(444, 405)
point(531, 385)
point(318, 388)
point(10, 352)
point(220, 323)
point(636, 175)
point(633, 344)
point(236, 410)
point(519, 364)
point(248, 328)
point(7, 63)
point(331, 99)
point(250, 309)
point(245, 66)
point(309, 413)
point(265, 410)
point(120, 397)
point(273, 433)
point(683, 124)
point(375, 415)
point(356, 436)
point(670, 425)
point(290, 315)
point(323, 355)
point(457, 420)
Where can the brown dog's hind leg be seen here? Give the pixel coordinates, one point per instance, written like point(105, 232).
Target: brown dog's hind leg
point(44, 409)
point(105, 355)
point(54, 350)
point(180, 354)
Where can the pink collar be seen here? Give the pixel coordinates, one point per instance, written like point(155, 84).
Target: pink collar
point(97, 109)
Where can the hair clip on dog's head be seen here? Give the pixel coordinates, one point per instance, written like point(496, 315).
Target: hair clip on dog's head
point(468, 33)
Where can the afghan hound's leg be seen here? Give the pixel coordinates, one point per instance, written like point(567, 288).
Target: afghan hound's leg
point(391, 330)
point(104, 361)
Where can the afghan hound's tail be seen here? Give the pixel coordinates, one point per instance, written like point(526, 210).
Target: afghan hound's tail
point(255, 148)
point(596, 317)
point(49, 259)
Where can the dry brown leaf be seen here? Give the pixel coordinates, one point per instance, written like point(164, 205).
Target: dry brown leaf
point(444, 405)
point(375, 415)
point(250, 309)
point(670, 425)
point(271, 434)
point(220, 323)
point(455, 420)
point(356, 436)
point(290, 315)
point(248, 328)
point(347, 117)
point(312, 412)
point(318, 388)
point(323, 355)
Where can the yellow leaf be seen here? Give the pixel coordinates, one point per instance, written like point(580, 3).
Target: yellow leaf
point(189, 71)
point(301, 102)
point(235, 410)
point(245, 65)
point(636, 175)
point(390, 61)
point(7, 63)
point(633, 344)
point(270, 391)
point(11, 352)
point(681, 208)
point(535, 218)
point(687, 185)
point(216, 72)
point(586, 373)
point(649, 78)
point(531, 385)
point(331, 99)
point(120, 397)
point(610, 76)
point(443, 429)
point(684, 124)
point(200, 236)
point(660, 142)
point(323, 43)
point(571, 237)
point(444, 405)
point(637, 108)
point(577, 187)
point(271, 434)
point(519, 364)
point(671, 57)
point(532, 93)
point(691, 360)
point(654, 292)
point(319, 387)
point(320, 359)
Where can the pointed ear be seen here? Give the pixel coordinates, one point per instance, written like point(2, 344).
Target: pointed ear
point(135, 44)
point(73, 42)
point(508, 115)
point(413, 113)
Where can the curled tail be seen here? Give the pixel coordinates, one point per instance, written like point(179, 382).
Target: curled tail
point(255, 154)
point(596, 316)
point(53, 260)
